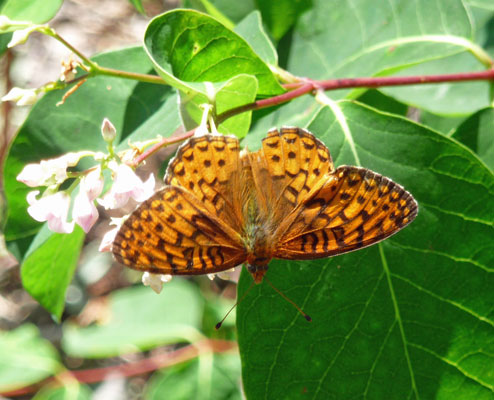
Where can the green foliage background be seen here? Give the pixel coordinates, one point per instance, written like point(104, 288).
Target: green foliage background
point(410, 318)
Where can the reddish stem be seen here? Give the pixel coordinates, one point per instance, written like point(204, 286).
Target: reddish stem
point(162, 143)
point(139, 367)
point(307, 85)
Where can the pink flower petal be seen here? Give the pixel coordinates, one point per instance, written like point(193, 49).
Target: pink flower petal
point(53, 209)
point(84, 212)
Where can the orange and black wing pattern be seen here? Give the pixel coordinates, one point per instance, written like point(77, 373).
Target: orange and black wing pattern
point(354, 208)
point(191, 226)
point(290, 164)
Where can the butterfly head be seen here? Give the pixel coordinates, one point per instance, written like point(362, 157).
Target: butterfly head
point(258, 268)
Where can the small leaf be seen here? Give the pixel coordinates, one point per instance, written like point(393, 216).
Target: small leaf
point(49, 265)
point(26, 358)
point(187, 46)
point(237, 92)
point(138, 6)
point(35, 11)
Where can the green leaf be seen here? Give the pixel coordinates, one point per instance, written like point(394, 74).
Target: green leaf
point(139, 319)
point(281, 15)
point(209, 377)
point(410, 317)
point(233, 10)
point(138, 6)
point(209, 8)
point(26, 358)
point(49, 265)
point(334, 40)
point(188, 47)
point(35, 11)
point(137, 109)
point(477, 133)
point(237, 92)
point(71, 391)
point(251, 29)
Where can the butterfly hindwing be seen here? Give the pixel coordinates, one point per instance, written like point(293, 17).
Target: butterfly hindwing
point(353, 209)
point(172, 233)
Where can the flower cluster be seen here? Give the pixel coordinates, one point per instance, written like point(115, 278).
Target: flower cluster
point(54, 204)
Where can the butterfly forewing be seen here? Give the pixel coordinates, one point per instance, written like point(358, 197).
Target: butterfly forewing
point(353, 209)
point(290, 163)
point(209, 166)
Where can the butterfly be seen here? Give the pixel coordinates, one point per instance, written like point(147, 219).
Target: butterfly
point(222, 207)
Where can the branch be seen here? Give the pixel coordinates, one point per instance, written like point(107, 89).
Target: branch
point(308, 85)
point(139, 367)
point(162, 143)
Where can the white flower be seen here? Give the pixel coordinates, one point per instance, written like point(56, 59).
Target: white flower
point(108, 131)
point(126, 185)
point(84, 212)
point(108, 238)
point(93, 183)
point(49, 172)
point(155, 281)
point(22, 97)
point(228, 275)
point(53, 209)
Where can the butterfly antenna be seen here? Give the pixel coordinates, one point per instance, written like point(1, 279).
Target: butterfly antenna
point(306, 316)
point(218, 325)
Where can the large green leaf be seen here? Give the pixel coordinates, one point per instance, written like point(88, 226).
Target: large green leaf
point(49, 266)
point(50, 131)
point(410, 317)
point(26, 358)
point(368, 38)
point(477, 132)
point(139, 319)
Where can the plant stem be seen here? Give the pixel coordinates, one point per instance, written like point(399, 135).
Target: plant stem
point(129, 75)
point(159, 145)
point(308, 85)
point(139, 367)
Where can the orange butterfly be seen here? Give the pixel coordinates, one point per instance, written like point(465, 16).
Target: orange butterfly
point(222, 207)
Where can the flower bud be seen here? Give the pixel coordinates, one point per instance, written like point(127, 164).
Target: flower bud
point(22, 97)
point(108, 131)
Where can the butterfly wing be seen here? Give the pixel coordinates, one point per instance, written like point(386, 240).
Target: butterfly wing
point(192, 226)
point(172, 233)
point(210, 168)
point(354, 208)
point(290, 164)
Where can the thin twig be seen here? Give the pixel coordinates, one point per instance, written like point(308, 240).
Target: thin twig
point(164, 142)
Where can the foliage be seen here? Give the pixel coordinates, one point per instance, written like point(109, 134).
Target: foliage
point(410, 317)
